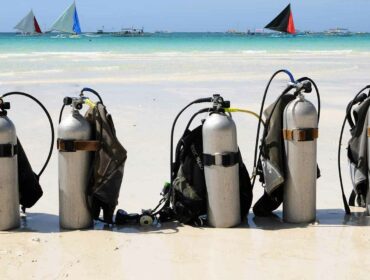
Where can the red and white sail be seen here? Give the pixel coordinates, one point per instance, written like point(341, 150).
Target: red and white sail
point(29, 24)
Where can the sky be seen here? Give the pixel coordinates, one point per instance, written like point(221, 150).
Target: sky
point(192, 15)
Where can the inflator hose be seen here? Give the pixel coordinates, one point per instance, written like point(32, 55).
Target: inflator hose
point(349, 108)
point(50, 122)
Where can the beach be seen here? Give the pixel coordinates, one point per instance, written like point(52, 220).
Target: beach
point(144, 91)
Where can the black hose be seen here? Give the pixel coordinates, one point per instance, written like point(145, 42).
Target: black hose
point(317, 94)
point(201, 111)
point(61, 113)
point(346, 206)
point(93, 92)
point(50, 122)
point(261, 112)
point(200, 100)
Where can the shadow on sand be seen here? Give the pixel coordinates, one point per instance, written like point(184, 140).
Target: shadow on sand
point(324, 217)
point(49, 223)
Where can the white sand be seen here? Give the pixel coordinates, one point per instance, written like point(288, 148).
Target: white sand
point(144, 93)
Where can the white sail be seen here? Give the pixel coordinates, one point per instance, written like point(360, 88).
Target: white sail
point(27, 24)
point(65, 22)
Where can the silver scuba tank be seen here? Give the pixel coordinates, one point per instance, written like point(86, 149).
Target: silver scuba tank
point(300, 134)
point(73, 171)
point(9, 190)
point(221, 170)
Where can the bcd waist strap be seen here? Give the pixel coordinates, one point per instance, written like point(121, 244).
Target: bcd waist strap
point(221, 159)
point(77, 145)
point(8, 150)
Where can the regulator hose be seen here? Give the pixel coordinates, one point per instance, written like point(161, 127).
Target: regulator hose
point(197, 101)
point(263, 105)
point(93, 92)
point(50, 122)
point(348, 111)
point(233, 110)
point(260, 115)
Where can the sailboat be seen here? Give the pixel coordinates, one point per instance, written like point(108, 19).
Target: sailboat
point(283, 22)
point(68, 22)
point(29, 25)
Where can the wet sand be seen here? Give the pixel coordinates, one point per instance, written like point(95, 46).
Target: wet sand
point(144, 93)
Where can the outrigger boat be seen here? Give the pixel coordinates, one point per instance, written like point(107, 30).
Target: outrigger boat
point(283, 22)
point(68, 23)
point(28, 25)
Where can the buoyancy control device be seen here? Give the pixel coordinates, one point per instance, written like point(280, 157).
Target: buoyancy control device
point(209, 181)
point(19, 185)
point(286, 162)
point(91, 163)
point(358, 150)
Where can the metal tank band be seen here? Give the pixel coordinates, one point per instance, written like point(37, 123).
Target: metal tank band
point(301, 134)
point(77, 145)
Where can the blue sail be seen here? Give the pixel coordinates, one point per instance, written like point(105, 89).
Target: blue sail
point(76, 23)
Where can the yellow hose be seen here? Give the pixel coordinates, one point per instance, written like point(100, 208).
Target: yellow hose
point(90, 103)
point(233, 110)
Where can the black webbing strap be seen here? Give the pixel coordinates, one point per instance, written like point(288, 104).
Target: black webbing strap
point(221, 159)
point(8, 150)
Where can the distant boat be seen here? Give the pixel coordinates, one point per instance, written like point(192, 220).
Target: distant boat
point(129, 32)
point(234, 32)
point(29, 25)
point(100, 31)
point(338, 31)
point(68, 22)
point(283, 22)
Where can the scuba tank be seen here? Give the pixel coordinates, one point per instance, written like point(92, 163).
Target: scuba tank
point(19, 185)
point(74, 132)
point(286, 163)
point(221, 168)
point(9, 190)
point(91, 163)
point(300, 133)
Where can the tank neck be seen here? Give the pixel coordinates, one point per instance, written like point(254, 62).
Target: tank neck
point(75, 112)
point(301, 97)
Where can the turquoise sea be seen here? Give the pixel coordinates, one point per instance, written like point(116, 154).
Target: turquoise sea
point(185, 42)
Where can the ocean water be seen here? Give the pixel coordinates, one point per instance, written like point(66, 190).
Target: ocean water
point(186, 42)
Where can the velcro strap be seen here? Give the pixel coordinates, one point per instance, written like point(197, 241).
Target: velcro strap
point(221, 159)
point(8, 150)
point(301, 134)
point(77, 145)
